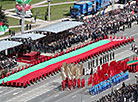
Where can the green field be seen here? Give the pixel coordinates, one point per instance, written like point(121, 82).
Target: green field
point(12, 29)
point(9, 4)
point(58, 1)
point(57, 12)
point(14, 21)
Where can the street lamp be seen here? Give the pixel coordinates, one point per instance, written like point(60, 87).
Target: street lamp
point(49, 10)
point(22, 17)
point(112, 5)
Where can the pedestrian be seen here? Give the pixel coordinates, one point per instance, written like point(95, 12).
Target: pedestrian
point(20, 21)
point(35, 18)
point(45, 17)
point(10, 31)
point(14, 33)
point(30, 26)
point(26, 26)
point(123, 27)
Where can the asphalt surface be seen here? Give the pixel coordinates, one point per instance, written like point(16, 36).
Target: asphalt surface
point(49, 89)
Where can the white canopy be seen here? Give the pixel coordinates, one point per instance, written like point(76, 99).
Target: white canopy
point(60, 27)
point(27, 35)
point(4, 45)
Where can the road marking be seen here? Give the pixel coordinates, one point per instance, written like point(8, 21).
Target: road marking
point(17, 93)
point(56, 95)
point(35, 92)
point(134, 34)
point(133, 30)
point(5, 93)
point(3, 90)
point(123, 55)
point(74, 96)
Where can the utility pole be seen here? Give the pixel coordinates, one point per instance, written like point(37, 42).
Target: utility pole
point(49, 10)
point(113, 5)
point(22, 17)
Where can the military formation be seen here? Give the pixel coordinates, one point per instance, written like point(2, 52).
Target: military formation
point(134, 48)
point(91, 65)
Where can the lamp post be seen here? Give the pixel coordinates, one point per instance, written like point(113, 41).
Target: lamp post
point(49, 10)
point(22, 17)
point(113, 5)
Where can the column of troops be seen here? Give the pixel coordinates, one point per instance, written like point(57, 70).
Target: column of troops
point(134, 48)
point(97, 61)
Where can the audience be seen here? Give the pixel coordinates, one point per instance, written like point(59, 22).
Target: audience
point(6, 62)
point(96, 26)
point(127, 93)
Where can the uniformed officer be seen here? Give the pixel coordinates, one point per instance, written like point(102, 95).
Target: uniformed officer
point(100, 60)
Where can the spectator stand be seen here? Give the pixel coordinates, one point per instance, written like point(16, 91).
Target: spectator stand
point(8, 58)
point(58, 30)
point(27, 52)
point(127, 93)
point(56, 35)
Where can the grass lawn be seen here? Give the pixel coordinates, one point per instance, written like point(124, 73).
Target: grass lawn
point(12, 29)
point(9, 4)
point(58, 1)
point(14, 21)
point(57, 12)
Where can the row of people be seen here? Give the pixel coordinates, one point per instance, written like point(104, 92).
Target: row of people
point(127, 93)
point(96, 26)
point(6, 62)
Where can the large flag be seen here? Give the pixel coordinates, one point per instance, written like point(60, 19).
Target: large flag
point(63, 85)
point(1, 23)
point(19, 1)
point(132, 12)
point(74, 84)
point(103, 12)
point(27, 1)
point(78, 83)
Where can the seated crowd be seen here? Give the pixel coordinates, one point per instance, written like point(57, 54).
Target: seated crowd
point(26, 46)
point(93, 27)
point(6, 62)
point(127, 93)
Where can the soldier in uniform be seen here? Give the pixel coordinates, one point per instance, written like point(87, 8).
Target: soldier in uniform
point(100, 60)
point(110, 56)
point(113, 55)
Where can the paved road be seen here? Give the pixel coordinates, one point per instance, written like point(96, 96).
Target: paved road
point(49, 90)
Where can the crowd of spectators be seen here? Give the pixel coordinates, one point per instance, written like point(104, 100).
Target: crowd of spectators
point(26, 47)
point(127, 93)
point(7, 63)
point(96, 26)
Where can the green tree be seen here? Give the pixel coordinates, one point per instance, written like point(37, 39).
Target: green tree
point(3, 17)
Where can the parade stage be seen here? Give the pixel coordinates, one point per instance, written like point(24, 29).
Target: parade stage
point(30, 58)
point(24, 77)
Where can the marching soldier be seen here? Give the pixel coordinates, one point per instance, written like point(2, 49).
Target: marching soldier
point(103, 59)
point(110, 56)
point(100, 60)
point(113, 55)
point(97, 61)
